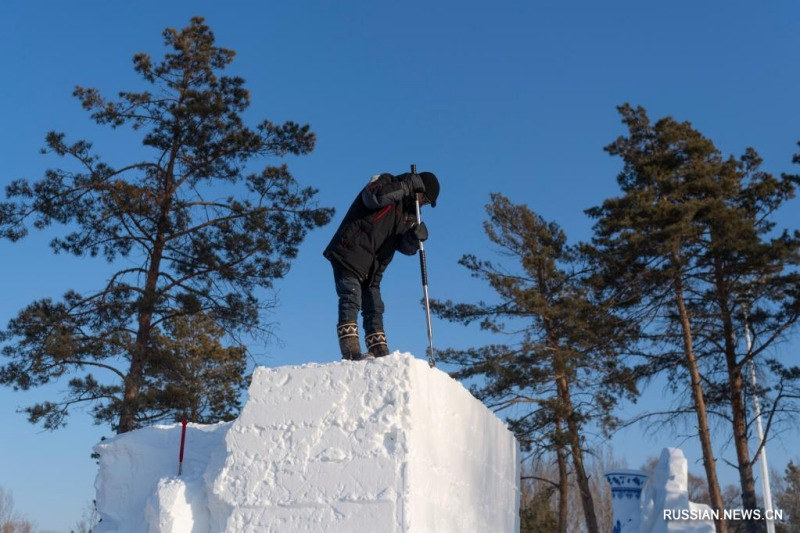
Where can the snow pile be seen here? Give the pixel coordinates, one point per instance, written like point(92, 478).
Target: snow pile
point(388, 445)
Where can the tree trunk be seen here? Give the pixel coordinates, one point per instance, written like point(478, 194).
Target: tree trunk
point(738, 409)
point(139, 354)
point(573, 437)
point(563, 479)
point(700, 408)
point(565, 413)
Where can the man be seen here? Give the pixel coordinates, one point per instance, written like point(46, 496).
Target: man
point(381, 219)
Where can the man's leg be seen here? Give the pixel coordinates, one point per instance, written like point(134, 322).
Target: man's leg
point(373, 319)
point(348, 288)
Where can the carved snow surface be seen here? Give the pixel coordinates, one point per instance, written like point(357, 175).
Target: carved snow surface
point(626, 492)
point(388, 445)
point(665, 501)
point(660, 503)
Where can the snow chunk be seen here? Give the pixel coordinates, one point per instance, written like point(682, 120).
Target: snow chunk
point(170, 510)
point(385, 445)
point(137, 485)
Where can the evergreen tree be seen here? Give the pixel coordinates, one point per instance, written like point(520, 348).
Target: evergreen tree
point(192, 373)
point(535, 510)
point(200, 231)
point(747, 275)
point(539, 485)
point(787, 499)
point(557, 374)
point(685, 248)
point(644, 241)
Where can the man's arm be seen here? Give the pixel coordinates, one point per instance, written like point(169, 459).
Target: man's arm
point(387, 189)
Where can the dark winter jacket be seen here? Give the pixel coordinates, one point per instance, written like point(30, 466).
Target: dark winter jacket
point(379, 221)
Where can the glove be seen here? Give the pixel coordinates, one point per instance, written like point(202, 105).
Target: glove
point(414, 182)
point(420, 231)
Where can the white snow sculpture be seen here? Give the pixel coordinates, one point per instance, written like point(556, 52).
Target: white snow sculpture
point(660, 503)
point(389, 445)
point(626, 491)
point(665, 499)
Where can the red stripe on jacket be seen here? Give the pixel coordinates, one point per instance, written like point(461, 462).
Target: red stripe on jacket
point(382, 213)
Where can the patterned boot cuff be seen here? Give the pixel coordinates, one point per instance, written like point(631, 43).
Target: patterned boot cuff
point(374, 339)
point(348, 329)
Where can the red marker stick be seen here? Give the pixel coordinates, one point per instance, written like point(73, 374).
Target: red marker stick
point(183, 441)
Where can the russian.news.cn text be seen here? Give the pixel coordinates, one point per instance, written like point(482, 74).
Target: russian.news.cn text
point(727, 514)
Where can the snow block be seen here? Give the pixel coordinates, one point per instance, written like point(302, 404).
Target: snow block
point(170, 510)
point(388, 445)
point(137, 485)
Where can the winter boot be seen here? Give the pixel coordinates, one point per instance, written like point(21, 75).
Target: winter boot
point(376, 344)
point(349, 343)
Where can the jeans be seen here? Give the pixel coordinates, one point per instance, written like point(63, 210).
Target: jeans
point(355, 295)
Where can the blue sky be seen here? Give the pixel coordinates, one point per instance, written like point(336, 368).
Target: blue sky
point(515, 97)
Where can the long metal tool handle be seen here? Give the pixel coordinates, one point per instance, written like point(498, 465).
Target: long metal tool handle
point(183, 442)
point(424, 268)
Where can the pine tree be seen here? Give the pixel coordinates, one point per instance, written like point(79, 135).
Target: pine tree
point(536, 490)
point(787, 499)
point(193, 226)
point(188, 357)
point(645, 239)
point(557, 374)
point(745, 269)
point(686, 248)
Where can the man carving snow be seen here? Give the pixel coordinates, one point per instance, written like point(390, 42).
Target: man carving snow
point(381, 220)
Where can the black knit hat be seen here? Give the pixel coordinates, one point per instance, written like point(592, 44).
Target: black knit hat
point(431, 187)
